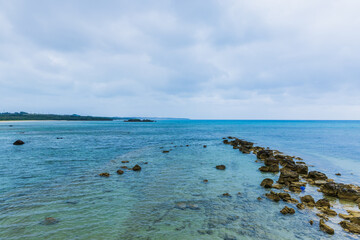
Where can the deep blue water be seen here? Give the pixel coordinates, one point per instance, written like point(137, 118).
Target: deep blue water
point(50, 177)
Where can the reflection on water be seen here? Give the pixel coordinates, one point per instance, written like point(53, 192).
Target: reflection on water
point(50, 177)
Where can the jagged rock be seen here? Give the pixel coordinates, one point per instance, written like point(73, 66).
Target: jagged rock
point(308, 200)
point(302, 169)
point(272, 168)
point(104, 174)
point(264, 154)
point(300, 206)
point(120, 172)
point(284, 196)
point(322, 216)
point(273, 196)
point(322, 203)
point(267, 183)
point(277, 186)
point(326, 228)
point(287, 210)
point(136, 168)
point(220, 167)
point(18, 142)
point(328, 212)
point(271, 161)
point(315, 175)
point(288, 176)
point(350, 227)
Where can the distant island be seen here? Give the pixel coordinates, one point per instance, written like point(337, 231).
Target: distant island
point(24, 116)
point(139, 120)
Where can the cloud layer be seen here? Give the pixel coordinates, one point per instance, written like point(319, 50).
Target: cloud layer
point(223, 59)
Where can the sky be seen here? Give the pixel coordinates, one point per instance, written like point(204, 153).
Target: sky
point(200, 59)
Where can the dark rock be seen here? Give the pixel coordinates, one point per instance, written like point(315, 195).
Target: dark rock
point(220, 167)
point(315, 175)
point(284, 196)
point(287, 210)
point(120, 172)
point(325, 228)
point(165, 151)
point(259, 198)
point(205, 181)
point(226, 195)
point(267, 183)
point(136, 168)
point(338, 174)
point(311, 222)
point(264, 154)
point(302, 169)
point(124, 167)
point(104, 174)
point(125, 161)
point(204, 146)
point(271, 161)
point(18, 142)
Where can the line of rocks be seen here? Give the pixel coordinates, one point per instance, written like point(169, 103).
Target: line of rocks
point(291, 174)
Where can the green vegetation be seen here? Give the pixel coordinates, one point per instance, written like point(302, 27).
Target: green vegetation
point(20, 116)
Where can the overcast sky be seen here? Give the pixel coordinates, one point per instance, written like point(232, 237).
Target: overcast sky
point(226, 59)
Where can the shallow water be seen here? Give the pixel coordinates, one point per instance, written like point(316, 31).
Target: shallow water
point(50, 177)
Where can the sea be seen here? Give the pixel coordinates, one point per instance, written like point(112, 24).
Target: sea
point(55, 174)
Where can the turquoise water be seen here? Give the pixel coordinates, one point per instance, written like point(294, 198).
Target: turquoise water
point(50, 177)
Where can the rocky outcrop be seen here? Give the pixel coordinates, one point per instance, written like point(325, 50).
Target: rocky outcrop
point(220, 167)
point(325, 228)
point(322, 203)
point(343, 191)
point(267, 183)
point(264, 154)
point(286, 210)
point(273, 168)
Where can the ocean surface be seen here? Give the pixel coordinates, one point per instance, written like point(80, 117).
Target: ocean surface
point(55, 174)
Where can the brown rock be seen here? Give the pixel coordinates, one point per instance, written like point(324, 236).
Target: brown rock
point(277, 186)
point(165, 151)
point(311, 222)
point(308, 200)
point(315, 175)
point(220, 167)
point(273, 196)
point(267, 183)
point(287, 210)
point(120, 172)
point(322, 203)
point(226, 195)
point(288, 176)
point(300, 206)
point(272, 168)
point(329, 212)
point(350, 227)
point(125, 161)
point(136, 168)
point(326, 228)
point(104, 174)
point(205, 181)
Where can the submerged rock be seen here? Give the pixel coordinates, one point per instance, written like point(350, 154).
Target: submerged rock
point(287, 210)
point(165, 151)
point(205, 181)
point(125, 161)
point(18, 142)
point(325, 228)
point(104, 174)
point(49, 221)
point(180, 205)
point(226, 195)
point(120, 172)
point(267, 183)
point(220, 167)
